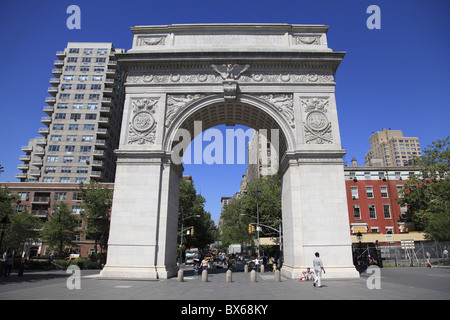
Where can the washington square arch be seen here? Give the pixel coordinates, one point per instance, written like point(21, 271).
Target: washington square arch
point(264, 76)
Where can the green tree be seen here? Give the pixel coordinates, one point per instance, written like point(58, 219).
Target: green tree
point(58, 232)
point(193, 214)
point(97, 201)
point(24, 229)
point(6, 211)
point(263, 196)
point(427, 195)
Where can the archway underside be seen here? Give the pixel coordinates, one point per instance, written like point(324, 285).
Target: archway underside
point(232, 113)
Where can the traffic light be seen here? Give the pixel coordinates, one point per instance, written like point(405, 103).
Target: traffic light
point(251, 228)
point(192, 231)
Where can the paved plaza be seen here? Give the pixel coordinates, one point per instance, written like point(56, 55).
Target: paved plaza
point(396, 283)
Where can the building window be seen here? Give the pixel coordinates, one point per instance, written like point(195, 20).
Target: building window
point(76, 209)
point(369, 192)
point(69, 149)
point(58, 126)
point(74, 50)
point(52, 158)
point(64, 180)
point(374, 230)
point(387, 211)
point(384, 193)
point(73, 127)
point(89, 127)
point(400, 191)
point(55, 137)
point(356, 213)
point(53, 148)
point(50, 169)
point(354, 192)
point(82, 169)
point(60, 196)
point(367, 175)
point(79, 96)
point(372, 212)
point(389, 230)
point(77, 196)
point(66, 169)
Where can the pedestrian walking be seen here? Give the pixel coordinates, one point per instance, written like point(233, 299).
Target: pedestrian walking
point(21, 266)
point(445, 253)
point(318, 268)
point(9, 264)
point(429, 265)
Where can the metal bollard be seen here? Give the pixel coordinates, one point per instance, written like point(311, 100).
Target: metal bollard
point(246, 268)
point(228, 276)
point(253, 276)
point(204, 276)
point(262, 268)
point(180, 275)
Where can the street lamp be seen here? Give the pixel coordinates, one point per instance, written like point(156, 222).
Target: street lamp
point(258, 193)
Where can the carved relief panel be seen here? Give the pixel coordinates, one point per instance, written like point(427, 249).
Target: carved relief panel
point(316, 124)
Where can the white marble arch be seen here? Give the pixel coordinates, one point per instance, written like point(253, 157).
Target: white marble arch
point(294, 93)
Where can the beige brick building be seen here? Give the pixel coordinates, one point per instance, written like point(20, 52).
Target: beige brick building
point(389, 148)
point(84, 116)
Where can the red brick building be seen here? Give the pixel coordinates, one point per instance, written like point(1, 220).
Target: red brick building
point(40, 198)
point(371, 196)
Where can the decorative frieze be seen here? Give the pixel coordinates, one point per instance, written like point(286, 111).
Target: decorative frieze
point(208, 77)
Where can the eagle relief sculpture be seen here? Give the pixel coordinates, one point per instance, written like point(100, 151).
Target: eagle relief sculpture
point(230, 71)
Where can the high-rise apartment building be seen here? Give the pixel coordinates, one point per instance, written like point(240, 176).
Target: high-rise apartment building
point(84, 116)
point(389, 148)
point(262, 157)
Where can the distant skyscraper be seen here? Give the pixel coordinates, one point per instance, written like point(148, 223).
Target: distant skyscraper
point(84, 118)
point(390, 148)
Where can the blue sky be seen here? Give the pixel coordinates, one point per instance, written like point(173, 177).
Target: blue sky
point(395, 77)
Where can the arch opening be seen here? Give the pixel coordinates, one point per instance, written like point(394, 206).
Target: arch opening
point(214, 110)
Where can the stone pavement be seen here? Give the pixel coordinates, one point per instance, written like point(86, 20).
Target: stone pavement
point(396, 284)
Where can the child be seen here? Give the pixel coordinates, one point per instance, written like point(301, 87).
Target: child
point(196, 269)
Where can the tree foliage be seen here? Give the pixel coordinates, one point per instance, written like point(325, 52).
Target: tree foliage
point(193, 214)
point(263, 196)
point(59, 232)
point(97, 201)
point(427, 195)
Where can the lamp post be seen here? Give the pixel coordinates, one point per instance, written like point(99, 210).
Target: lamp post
point(258, 193)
